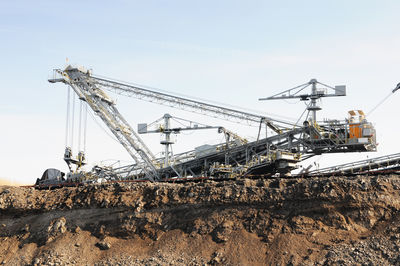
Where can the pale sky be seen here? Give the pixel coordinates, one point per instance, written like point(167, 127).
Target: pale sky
point(232, 52)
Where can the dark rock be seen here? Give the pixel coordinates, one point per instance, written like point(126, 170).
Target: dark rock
point(103, 245)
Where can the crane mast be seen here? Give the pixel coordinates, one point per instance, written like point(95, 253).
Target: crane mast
point(87, 90)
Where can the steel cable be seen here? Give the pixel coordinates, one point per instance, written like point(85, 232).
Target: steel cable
point(67, 119)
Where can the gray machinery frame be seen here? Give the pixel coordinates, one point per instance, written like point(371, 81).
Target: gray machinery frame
point(277, 153)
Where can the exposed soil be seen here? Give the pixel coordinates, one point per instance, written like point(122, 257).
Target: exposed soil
point(6, 182)
point(323, 221)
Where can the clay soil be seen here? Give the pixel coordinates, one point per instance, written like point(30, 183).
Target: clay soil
point(314, 221)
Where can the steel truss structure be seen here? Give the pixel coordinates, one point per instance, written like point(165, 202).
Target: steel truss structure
point(274, 154)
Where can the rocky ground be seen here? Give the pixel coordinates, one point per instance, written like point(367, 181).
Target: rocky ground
point(321, 221)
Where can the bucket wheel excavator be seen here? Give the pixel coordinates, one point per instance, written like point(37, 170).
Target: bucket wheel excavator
point(278, 153)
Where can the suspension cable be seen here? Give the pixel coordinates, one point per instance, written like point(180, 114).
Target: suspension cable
point(73, 121)
point(67, 119)
point(298, 120)
point(84, 127)
point(80, 126)
point(379, 104)
point(105, 131)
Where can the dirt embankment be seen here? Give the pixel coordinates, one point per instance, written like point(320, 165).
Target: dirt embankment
point(6, 182)
point(247, 222)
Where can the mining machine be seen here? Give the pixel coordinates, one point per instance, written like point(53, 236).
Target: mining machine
point(278, 153)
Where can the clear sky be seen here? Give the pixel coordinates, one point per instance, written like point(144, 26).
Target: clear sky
point(232, 52)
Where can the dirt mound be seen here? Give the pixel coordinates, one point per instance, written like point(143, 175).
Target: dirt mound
point(247, 222)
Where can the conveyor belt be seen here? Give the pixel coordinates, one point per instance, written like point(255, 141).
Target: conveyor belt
point(391, 161)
